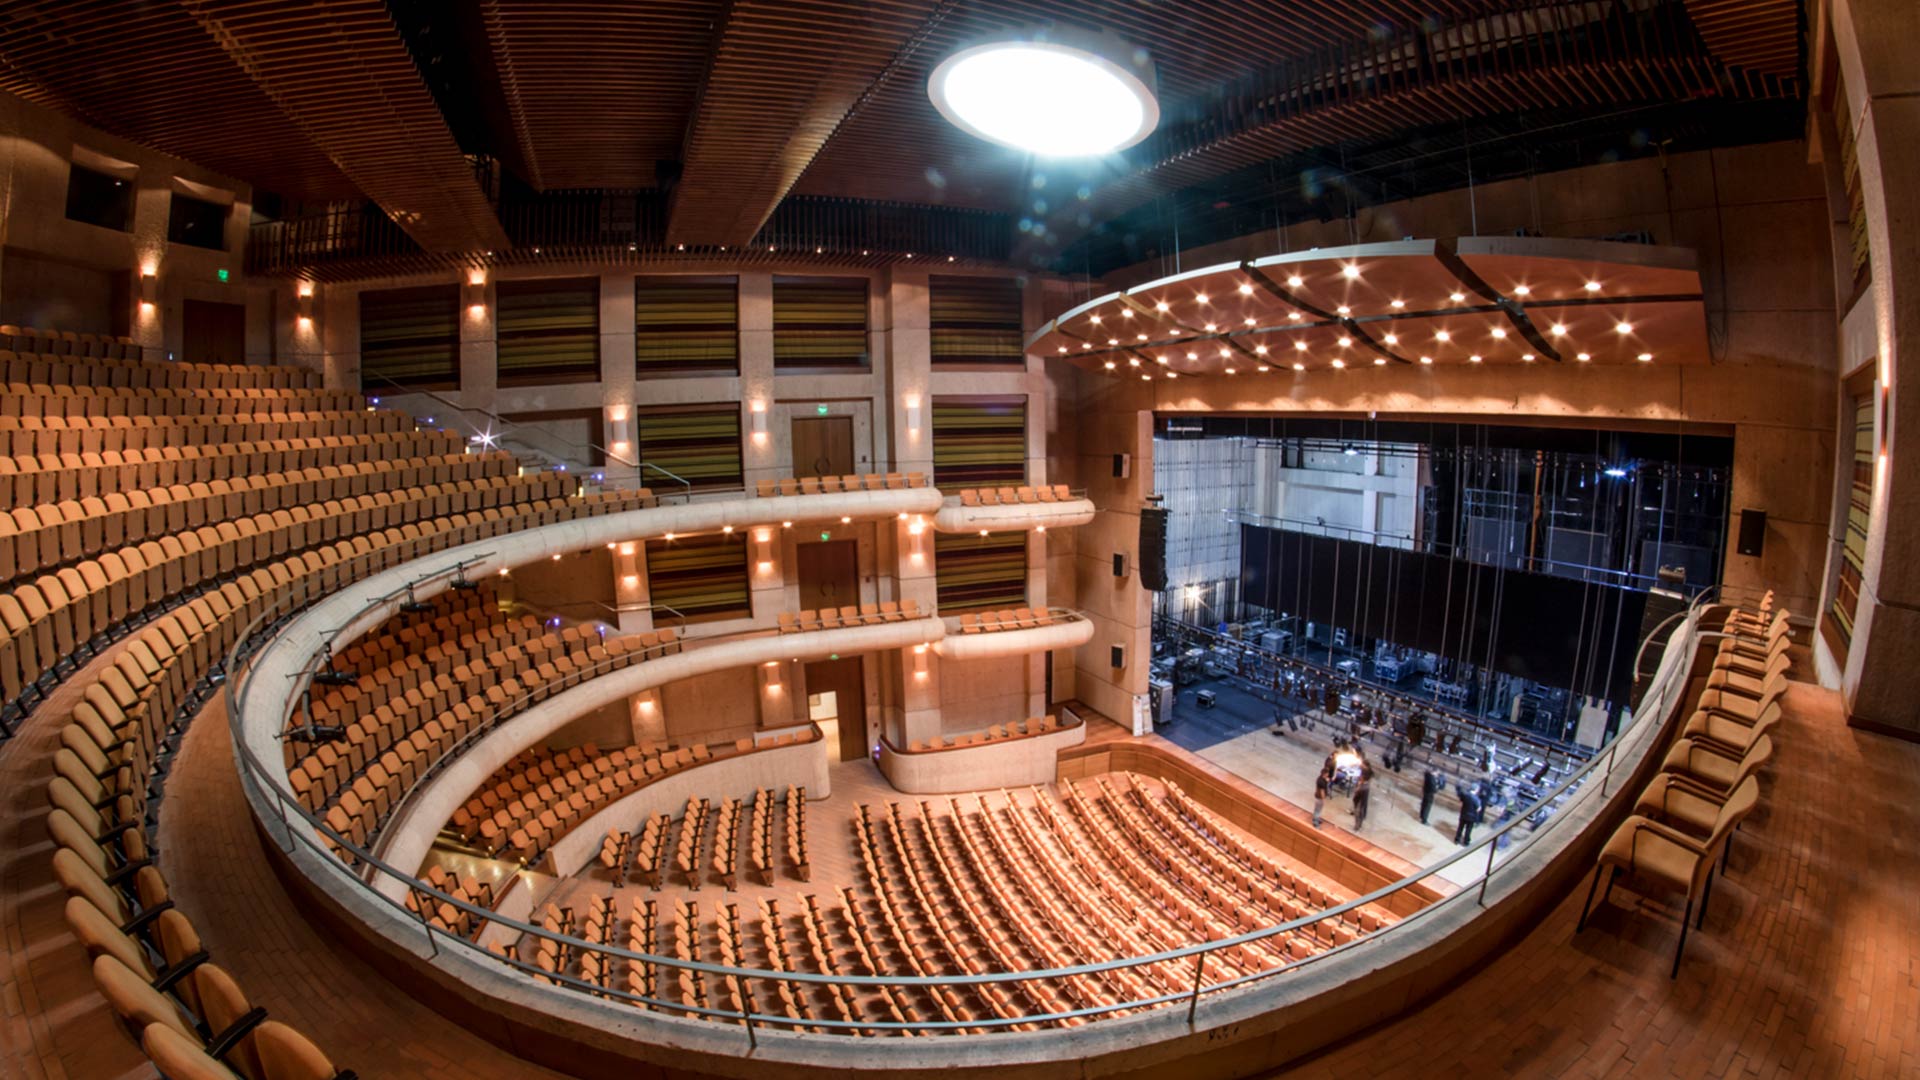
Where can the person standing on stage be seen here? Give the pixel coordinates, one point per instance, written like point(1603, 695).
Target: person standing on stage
point(1469, 815)
point(1320, 785)
point(1362, 793)
point(1429, 790)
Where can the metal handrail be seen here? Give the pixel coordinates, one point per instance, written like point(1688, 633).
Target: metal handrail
point(318, 837)
point(588, 448)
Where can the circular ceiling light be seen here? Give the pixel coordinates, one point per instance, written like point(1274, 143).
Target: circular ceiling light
point(1049, 97)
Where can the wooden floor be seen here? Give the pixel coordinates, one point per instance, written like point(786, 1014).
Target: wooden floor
point(1809, 964)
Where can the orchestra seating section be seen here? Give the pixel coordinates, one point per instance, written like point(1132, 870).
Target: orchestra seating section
point(1115, 866)
point(169, 507)
point(1032, 725)
point(1013, 496)
point(827, 485)
point(852, 615)
point(1011, 619)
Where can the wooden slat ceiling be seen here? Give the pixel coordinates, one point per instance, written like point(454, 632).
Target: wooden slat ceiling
point(340, 72)
point(782, 79)
point(1760, 35)
point(152, 74)
point(747, 101)
point(599, 91)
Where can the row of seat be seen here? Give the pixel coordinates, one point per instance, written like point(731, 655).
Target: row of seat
point(822, 485)
point(1014, 496)
point(67, 342)
point(32, 436)
point(40, 400)
point(1022, 618)
point(445, 915)
point(25, 362)
point(387, 749)
point(1033, 725)
point(849, 616)
point(1682, 826)
point(46, 478)
point(55, 534)
point(530, 822)
point(55, 621)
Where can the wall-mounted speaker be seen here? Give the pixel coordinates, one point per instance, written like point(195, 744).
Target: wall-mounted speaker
point(1153, 547)
point(1119, 564)
point(1117, 655)
point(1122, 466)
point(1753, 532)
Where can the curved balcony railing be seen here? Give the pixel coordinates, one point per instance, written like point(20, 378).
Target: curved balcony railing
point(363, 870)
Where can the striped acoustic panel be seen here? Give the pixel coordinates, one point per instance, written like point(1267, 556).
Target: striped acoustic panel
point(1853, 551)
point(699, 577)
point(411, 337)
point(819, 322)
point(973, 572)
point(975, 320)
point(686, 324)
point(979, 441)
point(548, 330)
point(700, 445)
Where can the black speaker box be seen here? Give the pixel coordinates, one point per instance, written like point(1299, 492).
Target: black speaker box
point(1753, 532)
point(1153, 547)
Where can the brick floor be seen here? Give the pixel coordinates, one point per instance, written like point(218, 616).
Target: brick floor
point(1806, 968)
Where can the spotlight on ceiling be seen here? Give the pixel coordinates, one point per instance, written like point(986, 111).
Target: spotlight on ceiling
point(1050, 93)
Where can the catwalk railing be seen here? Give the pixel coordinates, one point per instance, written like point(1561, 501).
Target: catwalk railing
point(362, 870)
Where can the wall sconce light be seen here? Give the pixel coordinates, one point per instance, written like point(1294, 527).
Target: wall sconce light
point(631, 581)
point(477, 276)
point(646, 705)
point(477, 293)
point(770, 677)
point(620, 442)
point(149, 290)
point(627, 548)
point(916, 546)
point(303, 303)
point(757, 421)
point(913, 414)
point(920, 662)
point(763, 540)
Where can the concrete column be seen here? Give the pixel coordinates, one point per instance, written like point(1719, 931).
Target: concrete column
point(1883, 89)
point(760, 454)
point(919, 674)
point(620, 389)
point(479, 348)
point(1115, 419)
point(909, 360)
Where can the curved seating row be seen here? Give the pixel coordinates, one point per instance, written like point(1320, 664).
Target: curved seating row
point(56, 534)
point(57, 619)
point(819, 485)
point(25, 362)
point(851, 615)
point(1011, 619)
point(1013, 496)
point(1682, 826)
point(67, 342)
point(44, 401)
point(46, 478)
point(28, 435)
point(1033, 725)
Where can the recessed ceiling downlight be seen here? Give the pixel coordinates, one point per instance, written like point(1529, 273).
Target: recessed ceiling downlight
point(1048, 97)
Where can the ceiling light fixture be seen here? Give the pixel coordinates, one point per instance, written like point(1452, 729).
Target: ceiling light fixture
point(1245, 289)
point(1049, 93)
point(1351, 271)
point(1456, 297)
point(1295, 281)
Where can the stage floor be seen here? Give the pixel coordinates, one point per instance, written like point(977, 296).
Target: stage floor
point(1235, 735)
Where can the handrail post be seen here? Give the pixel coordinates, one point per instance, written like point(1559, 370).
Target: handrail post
point(1493, 845)
point(746, 1012)
point(1199, 971)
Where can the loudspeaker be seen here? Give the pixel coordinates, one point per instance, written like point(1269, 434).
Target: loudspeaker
point(1753, 532)
point(1117, 655)
point(1122, 466)
point(1153, 548)
point(1119, 564)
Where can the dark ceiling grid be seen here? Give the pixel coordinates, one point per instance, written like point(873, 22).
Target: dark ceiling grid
point(150, 73)
point(340, 72)
point(600, 91)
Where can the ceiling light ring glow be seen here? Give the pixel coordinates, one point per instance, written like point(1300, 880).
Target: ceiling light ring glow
point(1049, 97)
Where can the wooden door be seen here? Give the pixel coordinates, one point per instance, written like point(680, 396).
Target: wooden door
point(829, 574)
point(823, 446)
point(214, 333)
point(837, 701)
